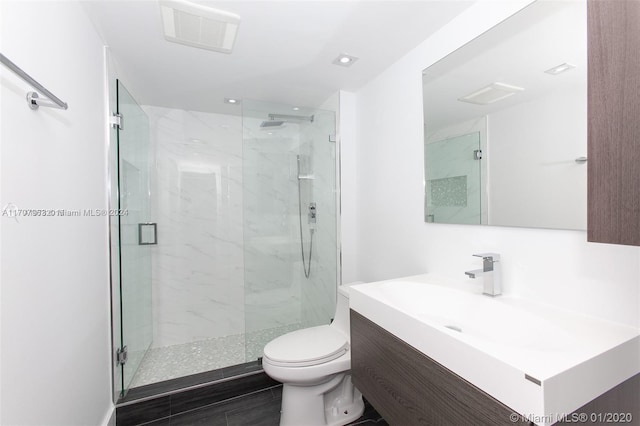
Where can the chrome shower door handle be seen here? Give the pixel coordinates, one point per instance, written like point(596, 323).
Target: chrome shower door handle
point(147, 233)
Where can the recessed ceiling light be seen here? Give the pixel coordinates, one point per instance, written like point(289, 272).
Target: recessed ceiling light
point(295, 108)
point(232, 101)
point(491, 93)
point(559, 69)
point(345, 60)
point(199, 26)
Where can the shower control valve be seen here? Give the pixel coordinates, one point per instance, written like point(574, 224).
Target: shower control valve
point(312, 213)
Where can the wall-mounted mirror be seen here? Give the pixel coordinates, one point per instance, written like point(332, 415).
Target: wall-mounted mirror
point(505, 122)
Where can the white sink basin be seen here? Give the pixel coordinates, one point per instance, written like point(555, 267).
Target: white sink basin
point(568, 359)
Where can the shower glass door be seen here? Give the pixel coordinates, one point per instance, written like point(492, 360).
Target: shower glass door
point(135, 234)
point(289, 210)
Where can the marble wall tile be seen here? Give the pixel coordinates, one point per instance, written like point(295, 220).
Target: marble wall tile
point(198, 274)
point(272, 222)
point(272, 290)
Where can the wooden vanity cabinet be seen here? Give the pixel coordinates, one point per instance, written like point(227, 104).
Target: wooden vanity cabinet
point(613, 33)
point(408, 388)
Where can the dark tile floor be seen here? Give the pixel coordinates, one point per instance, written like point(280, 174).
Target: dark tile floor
point(260, 408)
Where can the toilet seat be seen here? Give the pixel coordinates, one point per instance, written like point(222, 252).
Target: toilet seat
point(306, 347)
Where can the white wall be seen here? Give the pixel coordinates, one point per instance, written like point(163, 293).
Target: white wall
point(348, 187)
point(55, 367)
point(555, 267)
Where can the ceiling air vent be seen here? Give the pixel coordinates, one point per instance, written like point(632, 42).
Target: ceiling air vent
point(199, 26)
point(491, 93)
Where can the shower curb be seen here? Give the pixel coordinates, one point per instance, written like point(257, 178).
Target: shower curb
point(145, 409)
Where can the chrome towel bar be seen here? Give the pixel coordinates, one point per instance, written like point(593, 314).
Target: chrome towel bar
point(33, 99)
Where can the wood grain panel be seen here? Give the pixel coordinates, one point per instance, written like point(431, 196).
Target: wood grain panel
point(613, 213)
point(408, 388)
point(623, 399)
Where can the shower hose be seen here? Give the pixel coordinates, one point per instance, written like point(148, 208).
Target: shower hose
point(306, 268)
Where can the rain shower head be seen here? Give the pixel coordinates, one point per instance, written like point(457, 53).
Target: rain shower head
point(278, 120)
point(287, 117)
point(271, 123)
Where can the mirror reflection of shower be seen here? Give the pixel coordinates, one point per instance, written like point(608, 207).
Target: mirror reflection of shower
point(311, 219)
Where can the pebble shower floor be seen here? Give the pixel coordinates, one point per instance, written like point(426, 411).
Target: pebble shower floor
point(170, 362)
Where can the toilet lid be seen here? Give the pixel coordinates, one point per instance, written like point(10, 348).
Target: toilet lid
point(309, 346)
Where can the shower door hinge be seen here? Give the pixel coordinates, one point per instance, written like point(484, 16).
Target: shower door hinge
point(332, 137)
point(122, 355)
point(477, 154)
point(116, 121)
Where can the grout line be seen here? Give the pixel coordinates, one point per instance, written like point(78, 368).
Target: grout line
point(363, 421)
point(154, 420)
point(225, 401)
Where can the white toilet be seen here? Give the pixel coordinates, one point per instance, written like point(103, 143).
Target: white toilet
point(314, 365)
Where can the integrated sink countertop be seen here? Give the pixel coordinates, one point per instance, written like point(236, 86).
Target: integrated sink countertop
point(568, 359)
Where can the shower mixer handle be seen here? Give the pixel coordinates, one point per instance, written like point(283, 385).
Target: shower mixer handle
point(312, 213)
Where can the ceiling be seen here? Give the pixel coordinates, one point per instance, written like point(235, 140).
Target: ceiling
point(283, 53)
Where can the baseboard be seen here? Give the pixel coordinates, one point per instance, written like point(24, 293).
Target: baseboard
point(110, 416)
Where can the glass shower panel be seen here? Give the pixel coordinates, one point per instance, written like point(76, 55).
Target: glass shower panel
point(136, 234)
point(452, 181)
point(318, 291)
point(289, 209)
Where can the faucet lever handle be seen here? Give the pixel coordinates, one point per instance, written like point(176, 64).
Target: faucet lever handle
point(491, 257)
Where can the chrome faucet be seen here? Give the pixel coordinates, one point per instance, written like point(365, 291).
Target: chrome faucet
point(490, 273)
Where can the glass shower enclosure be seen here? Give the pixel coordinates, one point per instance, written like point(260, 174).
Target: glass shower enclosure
point(230, 238)
point(130, 237)
point(289, 183)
